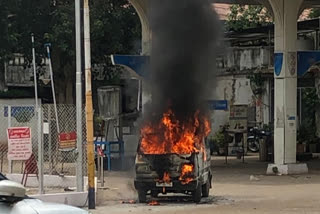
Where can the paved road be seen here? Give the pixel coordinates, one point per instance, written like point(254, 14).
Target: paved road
point(233, 192)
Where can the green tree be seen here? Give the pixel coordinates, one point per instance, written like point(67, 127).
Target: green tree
point(8, 35)
point(243, 17)
point(61, 35)
point(308, 127)
point(115, 28)
point(315, 13)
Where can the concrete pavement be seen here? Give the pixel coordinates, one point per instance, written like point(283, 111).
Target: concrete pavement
point(233, 192)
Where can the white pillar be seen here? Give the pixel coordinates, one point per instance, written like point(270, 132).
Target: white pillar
point(141, 7)
point(285, 111)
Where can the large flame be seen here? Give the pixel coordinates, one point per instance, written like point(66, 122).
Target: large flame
point(173, 136)
point(186, 171)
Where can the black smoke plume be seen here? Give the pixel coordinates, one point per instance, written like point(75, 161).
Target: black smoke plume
point(185, 36)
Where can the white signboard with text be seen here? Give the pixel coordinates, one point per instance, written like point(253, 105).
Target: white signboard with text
point(238, 118)
point(19, 143)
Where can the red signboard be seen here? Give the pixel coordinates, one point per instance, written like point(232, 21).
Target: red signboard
point(67, 141)
point(19, 143)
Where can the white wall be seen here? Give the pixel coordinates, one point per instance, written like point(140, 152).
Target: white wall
point(244, 58)
point(235, 90)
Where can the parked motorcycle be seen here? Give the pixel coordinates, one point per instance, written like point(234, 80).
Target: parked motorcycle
point(253, 139)
point(254, 135)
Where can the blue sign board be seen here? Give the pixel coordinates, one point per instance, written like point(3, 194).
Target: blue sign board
point(218, 104)
point(18, 110)
point(292, 118)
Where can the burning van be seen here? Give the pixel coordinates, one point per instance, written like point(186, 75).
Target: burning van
point(173, 157)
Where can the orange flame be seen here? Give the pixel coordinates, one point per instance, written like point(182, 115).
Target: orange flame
point(153, 203)
point(173, 136)
point(166, 177)
point(186, 172)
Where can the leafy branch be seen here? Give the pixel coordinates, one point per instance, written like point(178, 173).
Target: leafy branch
point(256, 83)
point(243, 17)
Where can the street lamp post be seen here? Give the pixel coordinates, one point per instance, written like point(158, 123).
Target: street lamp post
point(79, 97)
point(89, 109)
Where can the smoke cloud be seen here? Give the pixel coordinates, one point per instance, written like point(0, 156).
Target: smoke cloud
point(185, 36)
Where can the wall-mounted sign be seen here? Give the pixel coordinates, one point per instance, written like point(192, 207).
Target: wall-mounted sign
point(278, 62)
point(238, 118)
point(218, 104)
point(22, 114)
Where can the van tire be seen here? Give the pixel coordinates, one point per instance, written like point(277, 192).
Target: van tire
point(206, 189)
point(197, 194)
point(154, 194)
point(142, 196)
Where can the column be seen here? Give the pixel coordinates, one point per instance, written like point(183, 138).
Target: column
point(141, 7)
point(285, 109)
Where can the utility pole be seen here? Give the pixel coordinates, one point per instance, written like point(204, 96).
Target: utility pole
point(47, 46)
point(39, 124)
point(34, 71)
point(79, 98)
point(89, 113)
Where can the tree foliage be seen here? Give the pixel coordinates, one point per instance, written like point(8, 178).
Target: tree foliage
point(243, 17)
point(315, 13)
point(311, 102)
point(7, 39)
point(115, 28)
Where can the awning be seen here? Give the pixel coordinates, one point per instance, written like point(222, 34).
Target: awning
point(138, 64)
point(135, 63)
point(307, 59)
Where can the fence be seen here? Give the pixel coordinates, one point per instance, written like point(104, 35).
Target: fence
point(56, 162)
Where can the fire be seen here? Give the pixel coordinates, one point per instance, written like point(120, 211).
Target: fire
point(186, 171)
point(153, 203)
point(171, 136)
point(166, 177)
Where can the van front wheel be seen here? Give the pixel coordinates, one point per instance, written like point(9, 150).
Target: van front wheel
point(206, 189)
point(197, 194)
point(142, 196)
